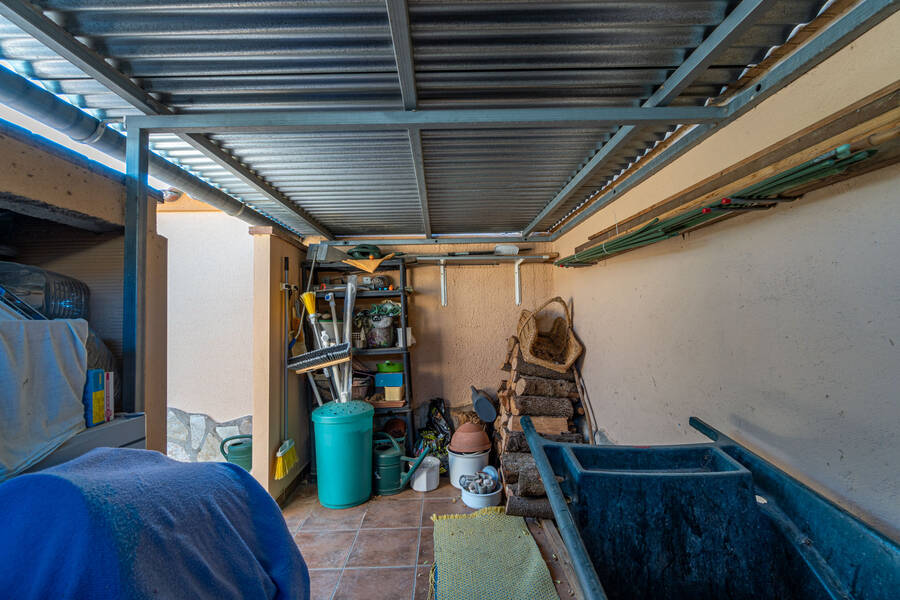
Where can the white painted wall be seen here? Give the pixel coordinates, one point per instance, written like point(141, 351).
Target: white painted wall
point(210, 313)
point(780, 328)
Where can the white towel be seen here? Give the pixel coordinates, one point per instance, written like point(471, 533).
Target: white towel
point(43, 368)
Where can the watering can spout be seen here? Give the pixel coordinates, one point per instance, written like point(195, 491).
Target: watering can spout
point(412, 469)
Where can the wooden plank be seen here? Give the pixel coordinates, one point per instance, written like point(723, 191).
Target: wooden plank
point(512, 462)
point(530, 484)
point(514, 441)
point(561, 557)
point(541, 406)
point(543, 425)
point(524, 368)
point(542, 386)
point(538, 508)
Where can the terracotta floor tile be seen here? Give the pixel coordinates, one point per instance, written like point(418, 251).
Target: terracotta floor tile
point(326, 519)
point(376, 584)
point(442, 507)
point(426, 547)
point(297, 511)
point(444, 490)
point(325, 549)
point(322, 583)
point(405, 513)
point(384, 548)
point(423, 575)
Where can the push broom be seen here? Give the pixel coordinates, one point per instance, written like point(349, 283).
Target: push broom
point(286, 457)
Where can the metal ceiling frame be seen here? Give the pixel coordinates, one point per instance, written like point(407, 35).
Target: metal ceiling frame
point(292, 121)
point(32, 21)
point(844, 30)
point(735, 24)
point(398, 20)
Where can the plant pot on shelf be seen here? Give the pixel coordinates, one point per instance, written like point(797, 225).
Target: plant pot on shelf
point(380, 331)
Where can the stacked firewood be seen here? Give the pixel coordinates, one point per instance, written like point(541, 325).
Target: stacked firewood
point(551, 399)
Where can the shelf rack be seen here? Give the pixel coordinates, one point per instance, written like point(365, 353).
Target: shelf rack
point(400, 267)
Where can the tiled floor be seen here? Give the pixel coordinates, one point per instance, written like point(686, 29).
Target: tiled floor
point(381, 549)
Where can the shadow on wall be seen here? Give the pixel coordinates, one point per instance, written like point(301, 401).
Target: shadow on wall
point(195, 437)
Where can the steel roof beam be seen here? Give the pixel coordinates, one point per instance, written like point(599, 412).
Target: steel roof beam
point(32, 21)
point(398, 19)
point(860, 18)
point(459, 118)
point(734, 25)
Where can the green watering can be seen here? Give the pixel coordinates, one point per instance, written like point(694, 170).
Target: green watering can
point(240, 452)
point(389, 459)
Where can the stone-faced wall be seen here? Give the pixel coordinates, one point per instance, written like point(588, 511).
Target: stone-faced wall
point(195, 437)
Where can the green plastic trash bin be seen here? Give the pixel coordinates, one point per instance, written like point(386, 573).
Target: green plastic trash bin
point(344, 452)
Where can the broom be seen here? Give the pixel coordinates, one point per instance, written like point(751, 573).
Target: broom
point(286, 456)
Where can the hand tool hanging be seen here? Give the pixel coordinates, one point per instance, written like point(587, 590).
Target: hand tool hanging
point(286, 456)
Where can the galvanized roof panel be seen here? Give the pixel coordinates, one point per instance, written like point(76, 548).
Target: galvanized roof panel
point(253, 55)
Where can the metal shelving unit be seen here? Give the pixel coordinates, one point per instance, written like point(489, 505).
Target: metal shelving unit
point(399, 266)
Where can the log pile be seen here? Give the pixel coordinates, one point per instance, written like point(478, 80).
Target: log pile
point(550, 399)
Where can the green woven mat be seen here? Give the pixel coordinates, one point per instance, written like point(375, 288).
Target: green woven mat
point(487, 555)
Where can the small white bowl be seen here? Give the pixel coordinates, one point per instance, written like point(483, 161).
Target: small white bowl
point(473, 500)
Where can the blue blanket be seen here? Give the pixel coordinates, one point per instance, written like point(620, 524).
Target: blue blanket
point(119, 523)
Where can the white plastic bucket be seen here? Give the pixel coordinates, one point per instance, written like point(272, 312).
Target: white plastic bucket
point(481, 500)
point(466, 464)
point(428, 475)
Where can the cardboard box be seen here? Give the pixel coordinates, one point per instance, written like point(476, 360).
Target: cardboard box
point(93, 398)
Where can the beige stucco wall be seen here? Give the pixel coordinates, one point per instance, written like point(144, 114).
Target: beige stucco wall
point(778, 328)
point(30, 172)
point(210, 313)
point(268, 344)
point(463, 343)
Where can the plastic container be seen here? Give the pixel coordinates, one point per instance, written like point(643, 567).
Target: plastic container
point(388, 379)
point(427, 477)
point(343, 433)
point(328, 327)
point(473, 500)
point(466, 464)
point(53, 295)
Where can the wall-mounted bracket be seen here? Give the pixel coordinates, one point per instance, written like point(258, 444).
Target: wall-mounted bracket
point(484, 260)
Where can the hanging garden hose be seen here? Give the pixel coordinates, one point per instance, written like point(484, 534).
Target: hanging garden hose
point(760, 196)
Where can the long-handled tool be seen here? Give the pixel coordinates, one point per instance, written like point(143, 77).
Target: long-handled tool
point(349, 302)
point(286, 456)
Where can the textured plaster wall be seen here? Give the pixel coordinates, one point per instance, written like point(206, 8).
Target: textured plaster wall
point(779, 328)
point(782, 329)
point(210, 313)
point(463, 343)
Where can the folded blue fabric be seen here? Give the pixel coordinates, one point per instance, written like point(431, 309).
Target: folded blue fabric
point(120, 523)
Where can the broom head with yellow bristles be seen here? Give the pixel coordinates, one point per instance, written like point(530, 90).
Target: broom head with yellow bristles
point(285, 459)
point(309, 301)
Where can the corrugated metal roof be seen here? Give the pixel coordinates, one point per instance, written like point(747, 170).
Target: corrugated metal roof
point(273, 54)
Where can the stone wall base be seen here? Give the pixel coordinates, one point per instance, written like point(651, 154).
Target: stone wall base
point(195, 437)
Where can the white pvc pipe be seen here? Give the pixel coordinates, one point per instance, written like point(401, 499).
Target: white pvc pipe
point(443, 283)
point(518, 271)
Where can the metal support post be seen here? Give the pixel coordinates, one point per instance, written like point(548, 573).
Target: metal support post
point(137, 215)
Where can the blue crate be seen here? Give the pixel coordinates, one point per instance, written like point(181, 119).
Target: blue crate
point(388, 379)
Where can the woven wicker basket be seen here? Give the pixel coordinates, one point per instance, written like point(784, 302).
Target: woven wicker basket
point(557, 349)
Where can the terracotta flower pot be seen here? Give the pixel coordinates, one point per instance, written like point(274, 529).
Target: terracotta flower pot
point(469, 438)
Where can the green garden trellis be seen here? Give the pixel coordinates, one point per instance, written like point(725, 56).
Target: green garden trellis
point(761, 196)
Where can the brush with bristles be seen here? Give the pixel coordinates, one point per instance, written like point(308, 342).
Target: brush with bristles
point(286, 456)
point(285, 459)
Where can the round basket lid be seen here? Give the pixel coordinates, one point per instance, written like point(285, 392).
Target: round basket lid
point(342, 412)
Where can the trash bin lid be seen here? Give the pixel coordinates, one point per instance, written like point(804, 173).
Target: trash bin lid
point(342, 412)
